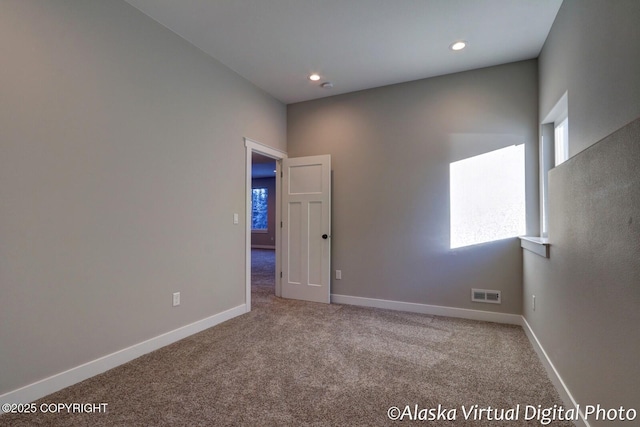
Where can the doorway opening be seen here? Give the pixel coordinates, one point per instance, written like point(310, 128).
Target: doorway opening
point(263, 225)
point(263, 165)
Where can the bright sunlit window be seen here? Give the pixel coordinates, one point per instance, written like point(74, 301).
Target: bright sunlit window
point(554, 150)
point(561, 141)
point(487, 195)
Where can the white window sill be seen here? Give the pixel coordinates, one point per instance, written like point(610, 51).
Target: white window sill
point(537, 245)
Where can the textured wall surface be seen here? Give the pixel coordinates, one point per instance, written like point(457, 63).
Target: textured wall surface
point(588, 291)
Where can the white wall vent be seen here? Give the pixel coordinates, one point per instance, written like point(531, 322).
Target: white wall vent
point(485, 295)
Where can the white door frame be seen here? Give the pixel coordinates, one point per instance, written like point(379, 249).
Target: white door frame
point(251, 147)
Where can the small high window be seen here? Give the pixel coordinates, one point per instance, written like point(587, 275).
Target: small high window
point(561, 141)
point(554, 150)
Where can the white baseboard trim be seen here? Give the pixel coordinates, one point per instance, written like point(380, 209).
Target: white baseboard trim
point(556, 379)
point(436, 310)
point(72, 376)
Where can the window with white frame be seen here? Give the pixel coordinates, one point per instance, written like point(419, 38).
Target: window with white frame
point(487, 197)
point(561, 141)
point(259, 210)
point(554, 150)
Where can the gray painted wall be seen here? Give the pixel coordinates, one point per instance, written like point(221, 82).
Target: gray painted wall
point(391, 148)
point(587, 293)
point(592, 52)
point(121, 165)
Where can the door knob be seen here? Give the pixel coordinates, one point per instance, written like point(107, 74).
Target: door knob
point(324, 236)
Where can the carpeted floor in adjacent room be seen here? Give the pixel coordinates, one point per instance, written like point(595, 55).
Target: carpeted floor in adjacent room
point(292, 363)
point(263, 270)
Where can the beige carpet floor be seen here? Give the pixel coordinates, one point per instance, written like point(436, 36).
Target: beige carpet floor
point(292, 363)
point(263, 270)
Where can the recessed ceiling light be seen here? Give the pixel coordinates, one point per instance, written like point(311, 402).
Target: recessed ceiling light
point(314, 77)
point(458, 45)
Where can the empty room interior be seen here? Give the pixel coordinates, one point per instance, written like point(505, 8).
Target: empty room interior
point(448, 194)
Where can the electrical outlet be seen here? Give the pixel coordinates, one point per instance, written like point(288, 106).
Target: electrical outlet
point(176, 299)
point(338, 274)
point(534, 303)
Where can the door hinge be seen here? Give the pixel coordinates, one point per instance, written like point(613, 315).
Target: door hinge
point(280, 224)
point(281, 274)
point(281, 174)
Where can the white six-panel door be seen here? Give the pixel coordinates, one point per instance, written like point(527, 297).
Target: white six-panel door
point(306, 228)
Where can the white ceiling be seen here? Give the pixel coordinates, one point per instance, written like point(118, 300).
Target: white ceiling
point(355, 44)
